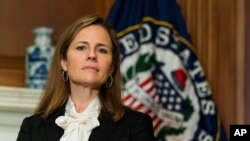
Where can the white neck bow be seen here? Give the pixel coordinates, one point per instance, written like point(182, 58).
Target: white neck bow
point(78, 126)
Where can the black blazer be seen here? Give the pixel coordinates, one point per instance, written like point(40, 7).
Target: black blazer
point(133, 126)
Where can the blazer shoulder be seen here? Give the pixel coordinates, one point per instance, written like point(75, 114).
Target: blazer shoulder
point(132, 114)
point(28, 126)
point(35, 127)
point(33, 122)
point(137, 119)
point(37, 117)
point(137, 125)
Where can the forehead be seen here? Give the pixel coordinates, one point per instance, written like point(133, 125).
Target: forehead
point(93, 32)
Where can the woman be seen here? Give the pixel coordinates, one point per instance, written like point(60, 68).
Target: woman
point(82, 99)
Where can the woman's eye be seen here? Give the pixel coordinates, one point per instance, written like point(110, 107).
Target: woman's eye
point(102, 50)
point(80, 47)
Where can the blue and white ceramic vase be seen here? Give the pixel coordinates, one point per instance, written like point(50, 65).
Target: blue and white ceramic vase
point(38, 58)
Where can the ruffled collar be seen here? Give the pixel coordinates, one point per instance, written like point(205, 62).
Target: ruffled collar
point(78, 126)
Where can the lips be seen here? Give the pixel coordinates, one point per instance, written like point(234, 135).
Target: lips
point(90, 68)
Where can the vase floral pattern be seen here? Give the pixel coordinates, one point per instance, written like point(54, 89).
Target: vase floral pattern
point(38, 58)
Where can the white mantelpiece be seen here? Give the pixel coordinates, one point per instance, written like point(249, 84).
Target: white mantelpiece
point(15, 105)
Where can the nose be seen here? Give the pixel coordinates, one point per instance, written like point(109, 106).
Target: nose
point(92, 56)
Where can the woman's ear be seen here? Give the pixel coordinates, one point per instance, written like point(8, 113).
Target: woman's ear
point(111, 70)
point(63, 64)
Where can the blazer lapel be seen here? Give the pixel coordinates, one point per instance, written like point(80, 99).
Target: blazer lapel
point(54, 132)
point(104, 131)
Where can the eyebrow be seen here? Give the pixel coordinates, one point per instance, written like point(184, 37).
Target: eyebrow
point(98, 44)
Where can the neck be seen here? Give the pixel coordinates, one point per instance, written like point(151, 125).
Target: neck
point(82, 96)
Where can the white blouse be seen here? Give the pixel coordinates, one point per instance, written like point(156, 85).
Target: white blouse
point(78, 126)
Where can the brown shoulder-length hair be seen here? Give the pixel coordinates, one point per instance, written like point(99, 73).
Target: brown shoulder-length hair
point(57, 91)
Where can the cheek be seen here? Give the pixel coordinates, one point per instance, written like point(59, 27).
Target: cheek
point(72, 62)
point(107, 65)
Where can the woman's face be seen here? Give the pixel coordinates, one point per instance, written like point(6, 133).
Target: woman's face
point(89, 57)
